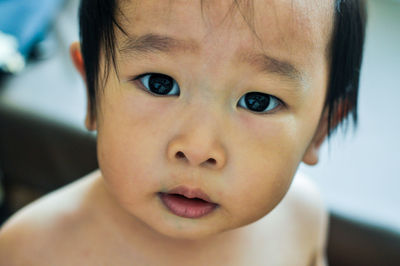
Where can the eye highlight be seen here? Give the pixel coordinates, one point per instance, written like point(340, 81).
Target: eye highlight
point(259, 102)
point(158, 84)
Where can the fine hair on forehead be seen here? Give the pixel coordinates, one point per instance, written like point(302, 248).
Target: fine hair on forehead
point(99, 21)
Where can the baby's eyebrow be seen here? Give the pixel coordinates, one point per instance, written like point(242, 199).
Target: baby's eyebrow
point(268, 64)
point(151, 43)
point(154, 43)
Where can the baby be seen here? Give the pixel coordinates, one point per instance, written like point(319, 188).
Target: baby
point(203, 111)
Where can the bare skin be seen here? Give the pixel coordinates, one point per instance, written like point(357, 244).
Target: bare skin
point(82, 225)
point(203, 137)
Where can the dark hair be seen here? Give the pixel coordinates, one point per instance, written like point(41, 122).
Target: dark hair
point(97, 22)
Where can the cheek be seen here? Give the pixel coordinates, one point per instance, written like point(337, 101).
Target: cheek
point(275, 140)
point(129, 146)
point(265, 158)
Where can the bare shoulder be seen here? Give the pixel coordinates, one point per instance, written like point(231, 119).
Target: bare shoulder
point(305, 196)
point(307, 208)
point(36, 231)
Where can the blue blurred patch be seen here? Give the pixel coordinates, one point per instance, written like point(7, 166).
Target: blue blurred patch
point(28, 21)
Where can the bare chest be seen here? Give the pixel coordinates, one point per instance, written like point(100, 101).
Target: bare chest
point(280, 249)
point(276, 248)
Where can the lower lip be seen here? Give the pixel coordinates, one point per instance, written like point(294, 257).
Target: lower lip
point(188, 208)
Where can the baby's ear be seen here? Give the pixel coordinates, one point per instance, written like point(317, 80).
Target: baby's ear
point(77, 59)
point(311, 156)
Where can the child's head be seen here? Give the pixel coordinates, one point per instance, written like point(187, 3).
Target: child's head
point(225, 96)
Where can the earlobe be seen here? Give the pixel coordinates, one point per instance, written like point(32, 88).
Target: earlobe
point(311, 156)
point(77, 59)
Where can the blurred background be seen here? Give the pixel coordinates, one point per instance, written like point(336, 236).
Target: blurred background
point(44, 145)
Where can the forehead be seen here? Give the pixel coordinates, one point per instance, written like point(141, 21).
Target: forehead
point(292, 30)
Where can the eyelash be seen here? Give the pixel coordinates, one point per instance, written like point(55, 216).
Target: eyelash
point(256, 99)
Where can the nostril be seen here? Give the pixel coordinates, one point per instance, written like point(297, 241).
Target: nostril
point(180, 155)
point(211, 161)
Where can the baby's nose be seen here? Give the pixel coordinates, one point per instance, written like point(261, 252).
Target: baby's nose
point(197, 150)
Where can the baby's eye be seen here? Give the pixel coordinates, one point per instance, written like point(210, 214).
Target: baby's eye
point(259, 102)
point(159, 84)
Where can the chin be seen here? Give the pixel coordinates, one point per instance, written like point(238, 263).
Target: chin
point(187, 230)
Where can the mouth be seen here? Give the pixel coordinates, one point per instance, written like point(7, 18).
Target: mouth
point(187, 203)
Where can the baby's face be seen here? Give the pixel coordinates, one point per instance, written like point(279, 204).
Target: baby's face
point(206, 100)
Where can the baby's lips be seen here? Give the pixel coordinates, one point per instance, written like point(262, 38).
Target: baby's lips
point(190, 193)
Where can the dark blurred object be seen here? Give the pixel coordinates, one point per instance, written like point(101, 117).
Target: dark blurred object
point(38, 155)
point(3, 77)
point(23, 24)
point(355, 243)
